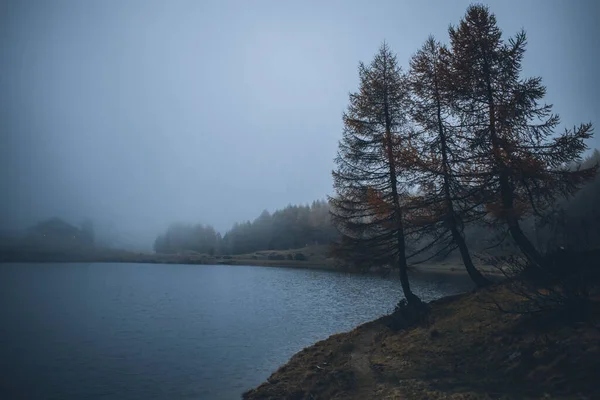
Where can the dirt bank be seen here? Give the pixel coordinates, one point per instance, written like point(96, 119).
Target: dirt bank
point(465, 350)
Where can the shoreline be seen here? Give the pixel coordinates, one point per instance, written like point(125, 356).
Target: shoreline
point(461, 351)
point(451, 267)
point(433, 268)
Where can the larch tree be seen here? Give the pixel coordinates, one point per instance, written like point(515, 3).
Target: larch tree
point(515, 159)
point(441, 208)
point(367, 205)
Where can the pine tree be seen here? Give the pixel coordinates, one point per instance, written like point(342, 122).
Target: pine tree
point(515, 162)
point(367, 207)
point(440, 207)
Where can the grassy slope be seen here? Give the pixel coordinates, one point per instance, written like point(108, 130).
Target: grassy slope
point(317, 258)
point(454, 264)
point(464, 351)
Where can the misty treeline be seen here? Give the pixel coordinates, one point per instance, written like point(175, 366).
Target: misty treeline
point(54, 234)
point(461, 140)
point(571, 222)
point(574, 222)
point(289, 228)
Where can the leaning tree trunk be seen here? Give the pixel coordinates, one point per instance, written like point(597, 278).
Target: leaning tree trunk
point(506, 192)
point(411, 298)
point(457, 235)
point(514, 227)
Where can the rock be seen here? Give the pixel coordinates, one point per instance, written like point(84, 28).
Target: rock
point(514, 356)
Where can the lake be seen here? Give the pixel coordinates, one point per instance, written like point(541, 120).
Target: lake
point(150, 331)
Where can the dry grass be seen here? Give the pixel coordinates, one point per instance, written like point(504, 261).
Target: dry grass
point(465, 350)
point(453, 264)
point(316, 258)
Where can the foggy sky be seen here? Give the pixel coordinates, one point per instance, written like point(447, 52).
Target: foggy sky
point(139, 113)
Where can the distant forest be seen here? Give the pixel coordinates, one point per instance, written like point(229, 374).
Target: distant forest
point(297, 226)
point(292, 227)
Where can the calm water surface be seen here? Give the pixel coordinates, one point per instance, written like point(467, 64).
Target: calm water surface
point(135, 331)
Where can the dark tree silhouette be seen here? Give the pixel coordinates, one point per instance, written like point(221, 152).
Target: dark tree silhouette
point(367, 208)
point(440, 207)
point(514, 161)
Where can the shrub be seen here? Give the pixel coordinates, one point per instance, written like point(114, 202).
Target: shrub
point(406, 316)
point(300, 257)
point(563, 284)
point(276, 256)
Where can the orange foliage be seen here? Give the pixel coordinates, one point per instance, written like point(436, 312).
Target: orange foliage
point(376, 200)
point(423, 216)
point(498, 210)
